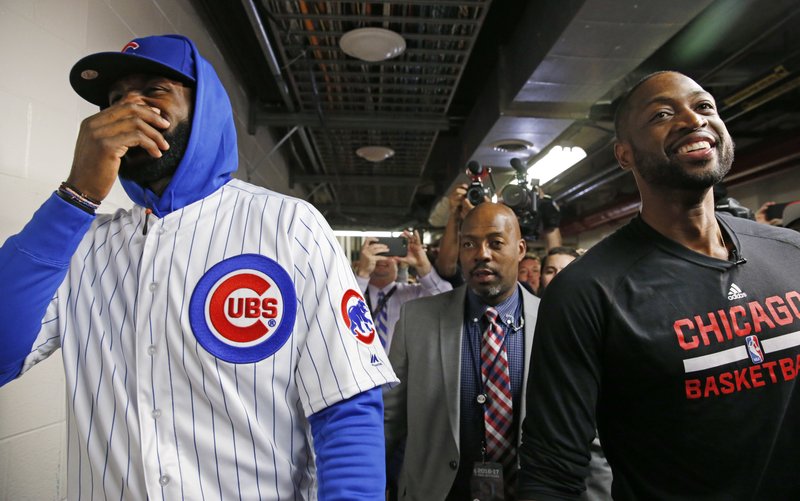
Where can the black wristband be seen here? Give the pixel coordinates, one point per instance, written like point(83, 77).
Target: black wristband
point(79, 200)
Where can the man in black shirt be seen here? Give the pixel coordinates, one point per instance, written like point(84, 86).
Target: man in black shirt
point(677, 336)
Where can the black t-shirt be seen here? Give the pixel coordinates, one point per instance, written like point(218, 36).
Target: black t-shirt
point(687, 363)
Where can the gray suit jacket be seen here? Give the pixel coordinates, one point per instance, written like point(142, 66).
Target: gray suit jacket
point(425, 407)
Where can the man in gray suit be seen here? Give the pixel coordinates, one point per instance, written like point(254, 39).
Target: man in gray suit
point(446, 387)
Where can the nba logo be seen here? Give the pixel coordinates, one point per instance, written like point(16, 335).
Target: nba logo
point(754, 349)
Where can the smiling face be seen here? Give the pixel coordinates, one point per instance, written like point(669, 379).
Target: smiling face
point(385, 272)
point(491, 248)
point(670, 135)
point(175, 101)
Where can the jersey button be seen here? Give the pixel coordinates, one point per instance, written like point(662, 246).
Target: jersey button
point(156, 413)
point(163, 480)
point(454, 465)
point(151, 350)
point(153, 286)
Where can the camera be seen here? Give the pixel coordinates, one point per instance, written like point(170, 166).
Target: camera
point(724, 203)
point(523, 199)
point(477, 191)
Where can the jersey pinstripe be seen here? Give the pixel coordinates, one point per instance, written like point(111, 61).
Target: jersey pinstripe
point(152, 414)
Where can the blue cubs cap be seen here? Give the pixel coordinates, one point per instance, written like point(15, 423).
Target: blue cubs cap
point(170, 56)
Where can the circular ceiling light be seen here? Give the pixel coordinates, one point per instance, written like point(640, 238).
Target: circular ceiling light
point(372, 44)
point(374, 153)
point(512, 145)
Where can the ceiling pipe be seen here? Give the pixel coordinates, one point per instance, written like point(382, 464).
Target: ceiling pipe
point(272, 62)
point(749, 46)
point(620, 209)
point(763, 157)
point(756, 162)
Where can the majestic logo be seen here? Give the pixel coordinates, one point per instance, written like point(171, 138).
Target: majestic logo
point(356, 317)
point(754, 349)
point(130, 45)
point(735, 293)
point(374, 360)
point(243, 308)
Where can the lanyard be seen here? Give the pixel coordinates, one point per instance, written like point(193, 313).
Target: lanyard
point(475, 357)
point(475, 361)
point(382, 302)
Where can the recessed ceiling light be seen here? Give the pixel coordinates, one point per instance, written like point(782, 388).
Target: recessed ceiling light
point(372, 44)
point(511, 145)
point(374, 153)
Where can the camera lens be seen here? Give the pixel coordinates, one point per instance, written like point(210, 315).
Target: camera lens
point(475, 194)
point(515, 196)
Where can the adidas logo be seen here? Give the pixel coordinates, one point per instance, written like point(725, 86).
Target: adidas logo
point(374, 360)
point(735, 293)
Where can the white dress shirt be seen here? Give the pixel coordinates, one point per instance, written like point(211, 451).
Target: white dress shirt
point(429, 285)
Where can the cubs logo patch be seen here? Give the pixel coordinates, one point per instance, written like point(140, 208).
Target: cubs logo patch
point(356, 317)
point(243, 308)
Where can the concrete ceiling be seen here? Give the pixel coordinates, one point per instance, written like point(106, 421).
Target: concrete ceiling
point(481, 72)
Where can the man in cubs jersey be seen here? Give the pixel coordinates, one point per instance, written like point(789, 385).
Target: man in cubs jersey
point(679, 335)
point(215, 342)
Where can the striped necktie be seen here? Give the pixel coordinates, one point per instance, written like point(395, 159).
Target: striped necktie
point(382, 320)
point(497, 411)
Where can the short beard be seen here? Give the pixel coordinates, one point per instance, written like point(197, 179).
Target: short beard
point(490, 293)
point(154, 169)
point(670, 174)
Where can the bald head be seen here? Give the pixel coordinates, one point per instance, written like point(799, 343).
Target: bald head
point(490, 251)
point(492, 211)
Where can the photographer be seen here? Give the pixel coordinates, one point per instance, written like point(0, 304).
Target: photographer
point(447, 259)
point(460, 202)
point(376, 274)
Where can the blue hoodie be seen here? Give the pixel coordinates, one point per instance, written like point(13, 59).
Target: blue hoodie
point(34, 262)
point(348, 435)
point(211, 155)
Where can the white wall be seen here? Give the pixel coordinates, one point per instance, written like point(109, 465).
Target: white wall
point(40, 40)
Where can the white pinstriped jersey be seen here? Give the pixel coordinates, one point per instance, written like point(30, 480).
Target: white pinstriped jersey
point(152, 413)
point(429, 285)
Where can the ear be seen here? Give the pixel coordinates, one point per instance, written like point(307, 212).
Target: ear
point(624, 154)
point(523, 248)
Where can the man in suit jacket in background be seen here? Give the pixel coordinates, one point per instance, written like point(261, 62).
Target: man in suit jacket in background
point(448, 386)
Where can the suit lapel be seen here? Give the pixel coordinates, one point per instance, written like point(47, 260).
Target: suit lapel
point(450, 325)
point(530, 309)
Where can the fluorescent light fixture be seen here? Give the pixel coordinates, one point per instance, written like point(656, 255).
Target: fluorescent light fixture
point(556, 161)
point(362, 234)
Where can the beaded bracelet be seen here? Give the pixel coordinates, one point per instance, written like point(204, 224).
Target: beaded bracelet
point(80, 200)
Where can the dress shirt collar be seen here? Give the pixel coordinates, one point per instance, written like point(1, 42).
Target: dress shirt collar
point(374, 290)
point(509, 311)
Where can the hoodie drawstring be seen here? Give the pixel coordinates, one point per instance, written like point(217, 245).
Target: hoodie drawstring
point(147, 213)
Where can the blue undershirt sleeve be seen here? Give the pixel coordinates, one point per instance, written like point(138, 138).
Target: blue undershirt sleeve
point(33, 264)
point(349, 444)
